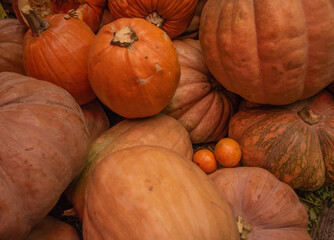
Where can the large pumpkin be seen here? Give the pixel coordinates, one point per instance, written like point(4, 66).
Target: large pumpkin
point(160, 130)
point(172, 16)
point(200, 103)
point(90, 11)
point(44, 141)
point(133, 67)
point(269, 51)
point(56, 50)
point(11, 46)
point(265, 208)
point(294, 142)
point(151, 192)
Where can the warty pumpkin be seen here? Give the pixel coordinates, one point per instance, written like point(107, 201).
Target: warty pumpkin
point(264, 207)
point(56, 50)
point(44, 141)
point(90, 11)
point(151, 192)
point(11, 45)
point(294, 142)
point(269, 52)
point(159, 130)
point(172, 16)
point(202, 105)
point(133, 67)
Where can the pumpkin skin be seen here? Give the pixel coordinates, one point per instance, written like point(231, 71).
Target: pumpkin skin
point(50, 228)
point(200, 103)
point(269, 206)
point(159, 130)
point(175, 14)
point(60, 55)
point(136, 78)
point(11, 46)
point(269, 52)
point(279, 140)
point(89, 11)
point(151, 192)
point(44, 142)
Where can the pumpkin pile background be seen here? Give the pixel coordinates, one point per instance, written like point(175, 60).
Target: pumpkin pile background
point(104, 103)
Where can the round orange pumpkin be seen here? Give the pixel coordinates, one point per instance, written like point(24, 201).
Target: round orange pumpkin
point(56, 50)
point(200, 103)
point(269, 52)
point(294, 142)
point(11, 46)
point(44, 141)
point(133, 68)
point(264, 207)
point(172, 16)
point(90, 11)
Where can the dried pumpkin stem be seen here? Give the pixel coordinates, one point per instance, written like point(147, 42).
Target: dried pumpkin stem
point(243, 227)
point(308, 116)
point(155, 19)
point(124, 37)
point(35, 22)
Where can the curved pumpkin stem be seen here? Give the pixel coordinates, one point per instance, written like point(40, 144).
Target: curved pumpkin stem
point(35, 22)
point(243, 227)
point(308, 116)
point(155, 19)
point(124, 37)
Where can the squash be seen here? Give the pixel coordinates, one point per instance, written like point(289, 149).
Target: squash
point(11, 46)
point(133, 68)
point(151, 192)
point(90, 11)
point(44, 142)
point(159, 130)
point(56, 50)
point(264, 207)
point(172, 16)
point(294, 142)
point(50, 228)
point(200, 103)
point(269, 52)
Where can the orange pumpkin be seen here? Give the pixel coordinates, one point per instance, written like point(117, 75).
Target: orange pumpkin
point(172, 16)
point(56, 50)
point(133, 67)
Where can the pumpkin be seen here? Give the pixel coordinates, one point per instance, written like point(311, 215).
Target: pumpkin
point(294, 142)
point(264, 207)
point(133, 68)
point(200, 103)
point(44, 142)
point(151, 192)
point(11, 46)
point(269, 52)
point(330, 88)
point(159, 130)
point(56, 50)
point(89, 11)
point(172, 16)
point(95, 118)
point(50, 228)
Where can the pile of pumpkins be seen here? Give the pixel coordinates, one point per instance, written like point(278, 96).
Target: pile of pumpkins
point(102, 101)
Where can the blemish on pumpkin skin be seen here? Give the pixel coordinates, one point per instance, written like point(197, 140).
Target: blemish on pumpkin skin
point(145, 80)
point(150, 188)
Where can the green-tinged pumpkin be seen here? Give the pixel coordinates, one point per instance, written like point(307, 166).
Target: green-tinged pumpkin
point(202, 105)
point(294, 142)
point(151, 192)
point(44, 141)
point(264, 207)
point(269, 51)
point(160, 130)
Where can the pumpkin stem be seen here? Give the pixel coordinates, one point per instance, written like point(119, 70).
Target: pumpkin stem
point(243, 227)
point(124, 37)
point(35, 22)
point(155, 19)
point(308, 116)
